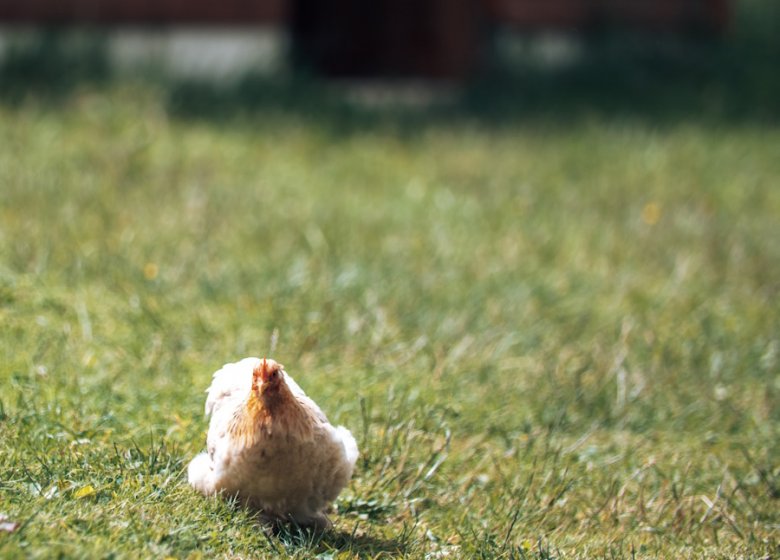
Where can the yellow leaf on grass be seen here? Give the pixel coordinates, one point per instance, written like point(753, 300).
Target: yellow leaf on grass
point(651, 213)
point(151, 270)
point(85, 492)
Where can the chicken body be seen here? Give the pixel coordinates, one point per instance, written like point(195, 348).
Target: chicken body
point(271, 445)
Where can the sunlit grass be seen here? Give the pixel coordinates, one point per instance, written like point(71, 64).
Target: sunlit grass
point(548, 341)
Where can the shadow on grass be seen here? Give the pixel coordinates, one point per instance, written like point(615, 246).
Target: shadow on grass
point(288, 538)
point(614, 76)
point(51, 63)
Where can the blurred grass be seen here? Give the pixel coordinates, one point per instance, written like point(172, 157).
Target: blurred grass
point(578, 328)
point(550, 340)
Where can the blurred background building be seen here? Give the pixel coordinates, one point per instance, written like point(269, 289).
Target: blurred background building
point(442, 39)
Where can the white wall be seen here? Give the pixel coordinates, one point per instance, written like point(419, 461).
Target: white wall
point(219, 53)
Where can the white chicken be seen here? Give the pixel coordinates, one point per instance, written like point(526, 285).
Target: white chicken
point(271, 445)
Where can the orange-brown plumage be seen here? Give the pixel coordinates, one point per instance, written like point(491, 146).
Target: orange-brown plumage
point(270, 400)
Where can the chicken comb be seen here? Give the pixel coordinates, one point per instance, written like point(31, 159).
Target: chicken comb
point(264, 370)
point(259, 374)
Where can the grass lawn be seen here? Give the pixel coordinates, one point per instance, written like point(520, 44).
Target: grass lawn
point(550, 340)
